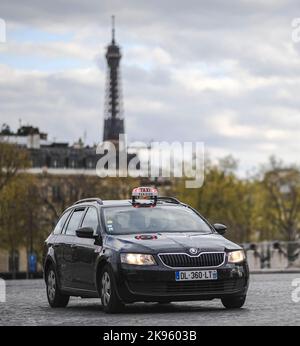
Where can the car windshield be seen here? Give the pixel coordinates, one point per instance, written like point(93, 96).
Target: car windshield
point(160, 219)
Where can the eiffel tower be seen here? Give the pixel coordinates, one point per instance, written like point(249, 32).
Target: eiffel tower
point(113, 112)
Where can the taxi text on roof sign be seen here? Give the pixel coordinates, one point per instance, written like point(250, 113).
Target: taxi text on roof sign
point(143, 192)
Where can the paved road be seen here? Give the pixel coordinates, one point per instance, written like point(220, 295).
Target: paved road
point(269, 303)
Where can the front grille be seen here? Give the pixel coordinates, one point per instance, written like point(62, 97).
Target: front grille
point(209, 259)
point(187, 287)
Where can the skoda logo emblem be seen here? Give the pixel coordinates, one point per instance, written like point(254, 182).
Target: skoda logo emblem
point(193, 251)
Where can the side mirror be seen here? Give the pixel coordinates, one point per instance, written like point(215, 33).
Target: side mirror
point(85, 232)
point(221, 229)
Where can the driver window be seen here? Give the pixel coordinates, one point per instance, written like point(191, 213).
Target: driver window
point(91, 219)
point(74, 221)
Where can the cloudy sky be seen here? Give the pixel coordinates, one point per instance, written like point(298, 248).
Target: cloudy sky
point(223, 72)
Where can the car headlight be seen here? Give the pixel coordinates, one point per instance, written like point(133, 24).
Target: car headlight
point(236, 256)
point(137, 259)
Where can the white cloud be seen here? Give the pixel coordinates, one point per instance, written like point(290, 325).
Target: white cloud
point(226, 124)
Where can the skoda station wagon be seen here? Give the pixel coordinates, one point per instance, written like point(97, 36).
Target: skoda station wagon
point(144, 249)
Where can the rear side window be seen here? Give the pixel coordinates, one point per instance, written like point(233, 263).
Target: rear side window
point(73, 224)
point(91, 219)
point(60, 225)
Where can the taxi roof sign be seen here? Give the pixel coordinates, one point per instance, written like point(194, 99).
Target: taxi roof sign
point(144, 193)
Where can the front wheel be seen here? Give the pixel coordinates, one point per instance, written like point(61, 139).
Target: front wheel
point(55, 298)
point(233, 302)
point(109, 298)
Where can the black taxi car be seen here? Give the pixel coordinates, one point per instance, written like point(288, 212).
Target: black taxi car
point(149, 248)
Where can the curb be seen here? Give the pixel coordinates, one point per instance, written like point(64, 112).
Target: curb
point(274, 271)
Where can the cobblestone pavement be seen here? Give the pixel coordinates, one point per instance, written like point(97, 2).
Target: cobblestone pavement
point(269, 302)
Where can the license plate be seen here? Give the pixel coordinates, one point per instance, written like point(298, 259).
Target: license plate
point(196, 275)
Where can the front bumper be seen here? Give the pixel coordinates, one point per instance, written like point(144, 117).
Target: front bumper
point(157, 283)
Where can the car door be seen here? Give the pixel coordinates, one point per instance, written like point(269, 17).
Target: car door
point(70, 246)
point(86, 254)
point(58, 244)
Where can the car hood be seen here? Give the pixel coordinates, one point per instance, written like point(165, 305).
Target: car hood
point(170, 242)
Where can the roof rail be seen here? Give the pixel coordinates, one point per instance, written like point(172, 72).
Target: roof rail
point(169, 199)
point(98, 200)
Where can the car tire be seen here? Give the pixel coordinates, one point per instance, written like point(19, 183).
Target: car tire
point(55, 298)
point(233, 302)
point(108, 294)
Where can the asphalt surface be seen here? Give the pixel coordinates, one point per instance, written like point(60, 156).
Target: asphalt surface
point(269, 302)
